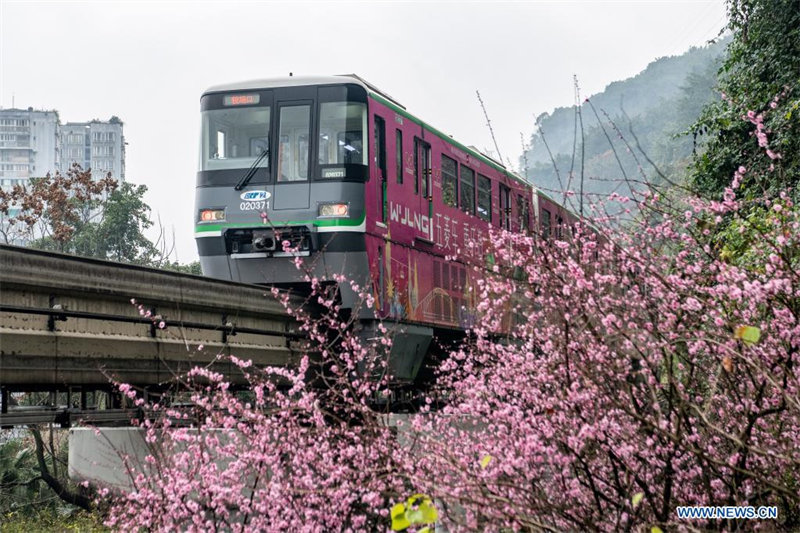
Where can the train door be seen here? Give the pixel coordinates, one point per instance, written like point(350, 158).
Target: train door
point(424, 171)
point(292, 186)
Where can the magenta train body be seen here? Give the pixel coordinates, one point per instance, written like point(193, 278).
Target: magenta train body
point(376, 194)
point(418, 237)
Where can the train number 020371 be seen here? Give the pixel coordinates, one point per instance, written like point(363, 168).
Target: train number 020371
point(250, 206)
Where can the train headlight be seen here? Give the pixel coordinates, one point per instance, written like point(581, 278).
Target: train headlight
point(333, 210)
point(212, 215)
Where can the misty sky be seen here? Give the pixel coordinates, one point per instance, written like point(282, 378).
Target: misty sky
point(149, 61)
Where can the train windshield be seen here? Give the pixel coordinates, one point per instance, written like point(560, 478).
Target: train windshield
point(235, 138)
point(304, 133)
point(341, 134)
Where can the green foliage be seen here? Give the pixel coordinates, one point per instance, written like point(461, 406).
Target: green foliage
point(119, 233)
point(25, 494)
point(741, 241)
point(417, 510)
point(637, 499)
point(18, 475)
point(115, 231)
point(761, 74)
point(189, 268)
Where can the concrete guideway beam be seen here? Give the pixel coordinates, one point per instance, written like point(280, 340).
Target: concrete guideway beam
point(68, 321)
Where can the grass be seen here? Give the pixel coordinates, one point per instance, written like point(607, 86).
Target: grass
point(50, 520)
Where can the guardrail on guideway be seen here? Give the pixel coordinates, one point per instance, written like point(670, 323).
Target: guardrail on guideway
point(68, 322)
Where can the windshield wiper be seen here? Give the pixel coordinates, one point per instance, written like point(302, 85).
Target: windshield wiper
point(251, 171)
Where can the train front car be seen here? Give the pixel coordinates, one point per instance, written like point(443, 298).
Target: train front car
point(283, 160)
point(360, 188)
point(289, 160)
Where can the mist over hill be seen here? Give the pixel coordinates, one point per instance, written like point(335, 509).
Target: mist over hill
point(656, 105)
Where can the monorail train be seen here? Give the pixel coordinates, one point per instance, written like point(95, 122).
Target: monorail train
point(360, 187)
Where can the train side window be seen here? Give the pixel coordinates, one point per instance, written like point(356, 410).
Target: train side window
point(545, 223)
point(559, 226)
point(505, 207)
point(467, 190)
point(342, 126)
point(484, 198)
point(526, 215)
point(380, 146)
point(399, 155)
point(427, 170)
point(449, 181)
point(416, 166)
point(522, 213)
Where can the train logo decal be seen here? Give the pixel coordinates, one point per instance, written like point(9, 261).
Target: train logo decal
point(408, 218)
point(252, 196)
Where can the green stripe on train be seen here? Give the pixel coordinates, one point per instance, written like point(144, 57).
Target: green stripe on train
point(325, 223)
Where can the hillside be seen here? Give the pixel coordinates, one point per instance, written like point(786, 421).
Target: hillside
point(660, 102)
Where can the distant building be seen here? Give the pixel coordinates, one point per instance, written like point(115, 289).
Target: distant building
point(34, 143)
point(29, 145)
point(96, 145)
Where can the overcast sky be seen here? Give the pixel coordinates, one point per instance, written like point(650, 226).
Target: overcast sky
point(149, 61)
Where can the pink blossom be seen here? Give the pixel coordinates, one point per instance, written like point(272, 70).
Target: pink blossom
point(585, 380)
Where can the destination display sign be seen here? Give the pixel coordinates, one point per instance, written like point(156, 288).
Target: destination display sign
point(241, 99)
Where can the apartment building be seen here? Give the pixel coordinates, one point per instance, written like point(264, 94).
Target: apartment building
point(29, 145)
point(34, 143)
point(96, 145)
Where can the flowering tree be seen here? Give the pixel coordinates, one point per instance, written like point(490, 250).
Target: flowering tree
point(52, 209)
point(647, 374)
point(611, 377)
point(645, 370)
point(298, 448)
